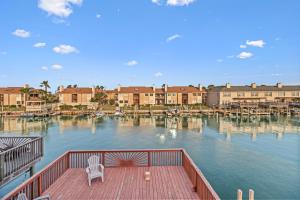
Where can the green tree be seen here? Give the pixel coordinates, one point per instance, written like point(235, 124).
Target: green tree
point(45, 85)
point(100, 98)
point(100, 87)
point(25, 91)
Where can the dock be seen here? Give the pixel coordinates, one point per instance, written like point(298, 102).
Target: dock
point(173, 176)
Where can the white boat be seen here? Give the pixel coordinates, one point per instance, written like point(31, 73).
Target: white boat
point(27, 115)
point(99, 114)
point(119, 113)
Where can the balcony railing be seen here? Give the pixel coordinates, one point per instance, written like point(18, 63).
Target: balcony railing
point(41, 181)
point(18, 154)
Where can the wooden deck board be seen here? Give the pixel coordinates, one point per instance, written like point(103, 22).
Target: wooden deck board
point(167, 182)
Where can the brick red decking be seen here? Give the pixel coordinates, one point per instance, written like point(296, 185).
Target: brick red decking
point(167, 182)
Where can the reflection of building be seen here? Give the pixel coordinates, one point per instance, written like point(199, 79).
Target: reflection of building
point(70, 122)
point(189, 123)
point(22, 125)
point(253, 126)
point(221, 95)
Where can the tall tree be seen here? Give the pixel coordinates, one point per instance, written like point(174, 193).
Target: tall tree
point(25, 91)
point(45, 85)
point(100, 98)
point(101, 87)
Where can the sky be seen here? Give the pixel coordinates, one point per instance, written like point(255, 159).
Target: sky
point(149, 42)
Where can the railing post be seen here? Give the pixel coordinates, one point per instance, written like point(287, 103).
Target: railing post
point(40, 185)
point(1, 166)
point(149, 159)
point(251, 194)
point(239, 194)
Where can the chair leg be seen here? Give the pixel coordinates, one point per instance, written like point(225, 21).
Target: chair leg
point(89, 182)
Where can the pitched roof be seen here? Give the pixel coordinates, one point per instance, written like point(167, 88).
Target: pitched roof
point(111, 91)
point(159, 90)
point(10, 90)
point(81, 90)
point(137, 89)
point(183, 89)
point(258, 88)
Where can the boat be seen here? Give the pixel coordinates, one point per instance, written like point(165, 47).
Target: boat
point(173, 112)
point(27, 115)
point(98, 114)
point(119, 113)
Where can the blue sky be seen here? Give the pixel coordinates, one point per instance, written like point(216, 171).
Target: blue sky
point(146, 42)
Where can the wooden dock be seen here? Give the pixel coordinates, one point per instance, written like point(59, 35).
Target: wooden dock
point(173, 176)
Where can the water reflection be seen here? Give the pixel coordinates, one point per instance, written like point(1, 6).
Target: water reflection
point(168, 127)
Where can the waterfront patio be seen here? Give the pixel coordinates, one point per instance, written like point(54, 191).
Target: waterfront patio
point(170, 182)
point(173, 175)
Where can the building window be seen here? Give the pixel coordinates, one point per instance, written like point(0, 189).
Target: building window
point(74, 98)
point(226, 94)
point(125, 101)
point(121, 101)
point(241, 94)
point(268, 94)
point(174, 94)
point(254, 94)
point(199, 94)
point(169, 94)
point(151, 95)
point(281, 94)
point(146, 95)
point(169, 101)
point(1, 98)
point(294, 94)
point(194, 94)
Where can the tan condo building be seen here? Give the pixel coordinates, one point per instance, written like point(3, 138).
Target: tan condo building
point(222, 95)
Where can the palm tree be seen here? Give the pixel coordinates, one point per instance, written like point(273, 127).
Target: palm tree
point(101, 98)
point(100, 87)
point(46, 85)
point(25, 91)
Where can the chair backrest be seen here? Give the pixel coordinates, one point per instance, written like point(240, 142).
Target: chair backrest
point(22, 196)
point(93, 162)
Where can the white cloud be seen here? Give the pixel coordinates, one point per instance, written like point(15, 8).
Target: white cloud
point(65, 49)
point(21, 33)
point(132, 63)
point(245, 55)
point(56, 67)
point(173, 37)
point(98, 16)
point(158, 74)
point(60, 8)
point(242, 46)
point(39, 45)
point(256, 43)
point(179, 2)
point(45, 68)
point(3, 52)
point(220, 60)
point(156, 2)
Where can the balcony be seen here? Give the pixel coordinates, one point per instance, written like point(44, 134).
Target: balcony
point(173, 176)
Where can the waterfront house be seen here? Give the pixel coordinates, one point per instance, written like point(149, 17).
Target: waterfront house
point(112, 96)
point(136, 95)
point(77, 95)
point(184, 95)
point(13, 96)
point(222, 95)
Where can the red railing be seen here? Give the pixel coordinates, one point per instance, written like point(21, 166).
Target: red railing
point(41, 181)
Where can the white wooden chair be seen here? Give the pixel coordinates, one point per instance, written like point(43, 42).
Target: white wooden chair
point(22, 196)
point(95, 169)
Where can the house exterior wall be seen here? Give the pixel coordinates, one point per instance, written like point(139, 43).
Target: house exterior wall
point(82, 99)
point(147, 98)
point(194, 98)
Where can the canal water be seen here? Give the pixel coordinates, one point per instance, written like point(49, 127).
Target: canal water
point(259, 153)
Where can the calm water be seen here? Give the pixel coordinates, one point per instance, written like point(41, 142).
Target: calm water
point(258, 153)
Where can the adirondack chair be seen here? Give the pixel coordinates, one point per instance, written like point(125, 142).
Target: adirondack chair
point(95, 169)
point(22, 196)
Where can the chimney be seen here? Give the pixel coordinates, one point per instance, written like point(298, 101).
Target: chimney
point(119, 88)
point(279, 85)
point(200, 87)
point(166, 88)
point(26, 86)
point(93, 91)
point(253, 85)
point(61, 88)
point(228, 85)
point(153, 87)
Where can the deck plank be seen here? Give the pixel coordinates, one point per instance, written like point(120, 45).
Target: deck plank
point(167, 182)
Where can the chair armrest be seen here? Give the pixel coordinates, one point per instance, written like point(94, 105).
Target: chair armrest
point(87, 170)
point(45, 197)
point(102, 167)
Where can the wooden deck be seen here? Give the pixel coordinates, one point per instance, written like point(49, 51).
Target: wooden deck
point(167, 182)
